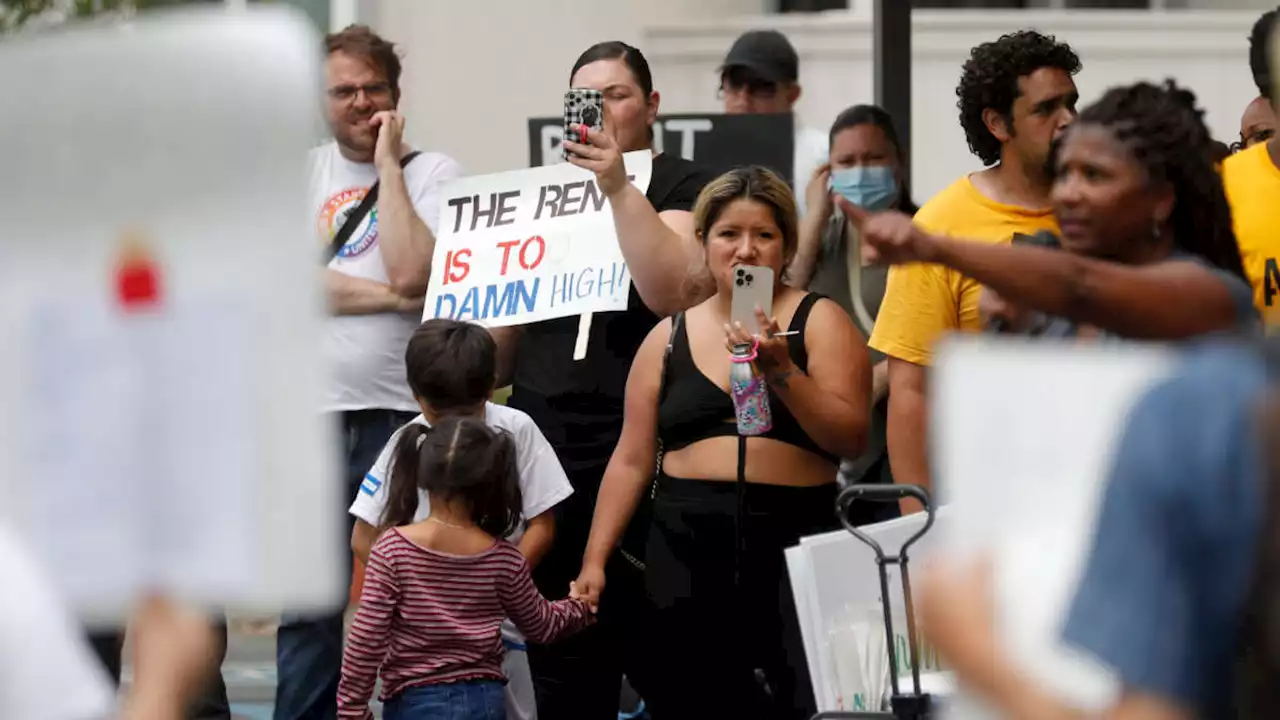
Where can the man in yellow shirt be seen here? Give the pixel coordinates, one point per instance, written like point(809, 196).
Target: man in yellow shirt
point(1251, 178)
point(1016, 95)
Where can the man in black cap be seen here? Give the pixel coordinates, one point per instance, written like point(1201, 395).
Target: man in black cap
point(761, 74)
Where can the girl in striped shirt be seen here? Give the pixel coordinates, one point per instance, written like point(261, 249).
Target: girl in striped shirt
point(436, 591)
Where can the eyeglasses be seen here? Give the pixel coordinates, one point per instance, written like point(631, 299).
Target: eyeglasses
point(755, 87)
point(373, 91)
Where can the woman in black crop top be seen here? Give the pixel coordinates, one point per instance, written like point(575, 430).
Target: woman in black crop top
point(727, 634)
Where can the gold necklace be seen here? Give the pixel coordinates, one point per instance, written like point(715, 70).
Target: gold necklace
point(434, 519)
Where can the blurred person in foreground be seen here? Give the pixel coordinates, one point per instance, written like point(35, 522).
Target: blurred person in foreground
point(1016, 95)
point(376, 281)
point(1252, 180)
point(761, 75)
point(726, 506)
point(451, 368)
point(49, 672)
point(578, 404)
point(865, 167)
point(1178, 597)
point(1149, 250)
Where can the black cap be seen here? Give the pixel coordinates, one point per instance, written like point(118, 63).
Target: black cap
point(767, 53)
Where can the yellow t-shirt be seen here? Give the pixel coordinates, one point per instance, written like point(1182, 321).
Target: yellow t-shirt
point(922, 302)
point(1252, 183)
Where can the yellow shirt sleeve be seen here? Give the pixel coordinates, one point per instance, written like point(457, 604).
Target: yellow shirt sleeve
point(919, 306)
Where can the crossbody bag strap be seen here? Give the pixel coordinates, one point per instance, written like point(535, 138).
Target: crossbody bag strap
point(357, 216)
point(662, 391)
point(662, 379)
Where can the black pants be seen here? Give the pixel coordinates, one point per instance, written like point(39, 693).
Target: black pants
point(210, 704)
point(580, 677)
point(725, 618)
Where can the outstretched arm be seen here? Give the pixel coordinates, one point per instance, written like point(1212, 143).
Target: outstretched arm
point(1167, 300)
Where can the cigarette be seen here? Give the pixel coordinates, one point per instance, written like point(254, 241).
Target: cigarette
point(784, 334)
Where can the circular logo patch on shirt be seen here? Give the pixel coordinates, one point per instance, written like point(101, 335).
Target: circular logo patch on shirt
point(333, 214)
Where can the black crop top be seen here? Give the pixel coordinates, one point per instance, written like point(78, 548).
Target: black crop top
point(694, 408)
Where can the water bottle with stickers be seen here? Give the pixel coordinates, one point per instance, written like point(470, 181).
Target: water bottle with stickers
point(750, 392)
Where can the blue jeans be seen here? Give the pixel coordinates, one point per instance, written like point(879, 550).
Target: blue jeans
point(309, 649)
point(473, 700)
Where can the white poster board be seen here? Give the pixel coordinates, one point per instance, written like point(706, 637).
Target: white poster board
point(837, 587)
point(527, 245)
point(159, 381)
point(1022, 437)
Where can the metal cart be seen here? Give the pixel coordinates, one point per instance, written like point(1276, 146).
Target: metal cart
point(903, 706)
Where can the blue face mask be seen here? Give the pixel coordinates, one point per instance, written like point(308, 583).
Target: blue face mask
point(873, 187)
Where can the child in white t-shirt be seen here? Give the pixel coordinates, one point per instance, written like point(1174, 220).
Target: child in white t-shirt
point(451, 368)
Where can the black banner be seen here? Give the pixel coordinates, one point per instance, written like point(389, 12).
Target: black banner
point(716, 142)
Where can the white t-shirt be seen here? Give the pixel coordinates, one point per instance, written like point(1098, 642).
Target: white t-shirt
point(46, 667)
point(543, 483)
point(811, 152)
point(366, 352)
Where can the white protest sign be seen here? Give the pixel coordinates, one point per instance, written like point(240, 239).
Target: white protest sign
point(1023, 435)
point(528, 245)
point(161, 365)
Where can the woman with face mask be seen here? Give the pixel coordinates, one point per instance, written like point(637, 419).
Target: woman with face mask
point(864, 167)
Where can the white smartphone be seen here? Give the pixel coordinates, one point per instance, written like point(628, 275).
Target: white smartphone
point(752, 288)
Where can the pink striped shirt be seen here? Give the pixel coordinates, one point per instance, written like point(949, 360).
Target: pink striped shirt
point(428, 617)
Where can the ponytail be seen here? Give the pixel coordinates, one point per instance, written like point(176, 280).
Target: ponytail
point(459, 459)
point(498, 510)
point(402, 478)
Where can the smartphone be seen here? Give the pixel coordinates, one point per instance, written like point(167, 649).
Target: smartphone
point(582, 106)
point(752, 288)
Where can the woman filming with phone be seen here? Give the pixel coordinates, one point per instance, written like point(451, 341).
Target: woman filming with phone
point(726, 505)
point(569, 374)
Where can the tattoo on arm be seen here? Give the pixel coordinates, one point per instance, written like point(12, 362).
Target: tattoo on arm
point(780, 380)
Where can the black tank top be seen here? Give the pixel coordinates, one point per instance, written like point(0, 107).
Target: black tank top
point(694, 408)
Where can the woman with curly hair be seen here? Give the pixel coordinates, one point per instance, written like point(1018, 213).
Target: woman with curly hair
point(1150, 254)
point(1150, 249)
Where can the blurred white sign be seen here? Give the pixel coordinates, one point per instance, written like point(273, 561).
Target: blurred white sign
point(1022, 437)
point(158, 370)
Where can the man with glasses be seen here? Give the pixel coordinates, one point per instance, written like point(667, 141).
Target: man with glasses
point(378, 258)
point(760, 75)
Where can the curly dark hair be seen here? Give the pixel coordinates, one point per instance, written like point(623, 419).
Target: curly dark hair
point(1260, 52)
point(990, 80)
point(1164, 129)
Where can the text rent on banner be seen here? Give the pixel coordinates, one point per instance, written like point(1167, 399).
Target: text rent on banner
point(716, 142)
point(528, 245)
